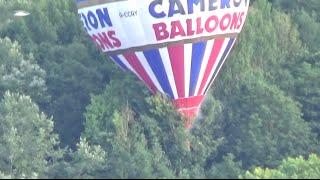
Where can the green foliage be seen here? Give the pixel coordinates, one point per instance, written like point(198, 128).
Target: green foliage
point(307, 89)
point(71, 77)
point(307, 19)
point(308, 26)
point(87, 161)
point(291, 168)
point(74, 68)
point(263, 123)
point(117, 95)
point(113, 125)
point(266, 126)
point(227, 169)
point(129, 156)
point(136, 144)
point(207, 134)
point(19, 73)
point(28, 144)
point(289, 5)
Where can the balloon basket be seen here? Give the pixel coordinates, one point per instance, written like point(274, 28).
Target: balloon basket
point(189, 109)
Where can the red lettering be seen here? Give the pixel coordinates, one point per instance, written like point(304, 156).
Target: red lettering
point(199, 28)
point(176, 29)
point(224, 26)
point(209, 21)
point(190, 31)
point(116, 42)
point(235, 21)
point(161, 32)
point(105, 40)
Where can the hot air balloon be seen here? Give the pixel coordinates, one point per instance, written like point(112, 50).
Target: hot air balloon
point(176, 47)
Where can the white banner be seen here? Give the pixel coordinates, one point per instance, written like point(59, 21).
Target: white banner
point(124, 24)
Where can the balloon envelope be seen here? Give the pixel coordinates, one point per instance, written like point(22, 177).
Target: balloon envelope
point(176, 47)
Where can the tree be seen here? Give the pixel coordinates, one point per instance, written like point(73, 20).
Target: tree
point(5, 15)
point(308, 26)
point(129, 138)
point(147, 138)
point(291, 168)
point(307, 89)
point(306, 18)
point(227, 169)
point(266, 126)
point(28, 146)
point(74, 68)
point(20, 73)
point(87, 161)
point(263, 123)
point(71, 78)
point(289, 6)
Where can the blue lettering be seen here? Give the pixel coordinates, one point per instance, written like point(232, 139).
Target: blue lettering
point(196, 2)
point(212, 6)
point(93, 20)
point(157, 10)
point(152, 9)
point(173, 11)
point(104, 17)
point(225, 4)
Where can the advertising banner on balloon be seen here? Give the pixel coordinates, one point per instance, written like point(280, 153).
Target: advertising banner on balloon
point(155, 23)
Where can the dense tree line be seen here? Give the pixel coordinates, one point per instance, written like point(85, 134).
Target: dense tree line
point(66, 111)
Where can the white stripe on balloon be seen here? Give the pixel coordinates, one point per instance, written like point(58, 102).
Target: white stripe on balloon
point(187, 67)
point(167, 65)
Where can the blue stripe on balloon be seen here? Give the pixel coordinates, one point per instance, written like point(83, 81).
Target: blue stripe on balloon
point(117, 60)
point(225, 53)
point(198, 50)
point(155, 61)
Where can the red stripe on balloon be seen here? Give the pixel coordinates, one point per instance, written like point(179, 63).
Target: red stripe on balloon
point(176, 54)
point(133, 60)
point(213, 58)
